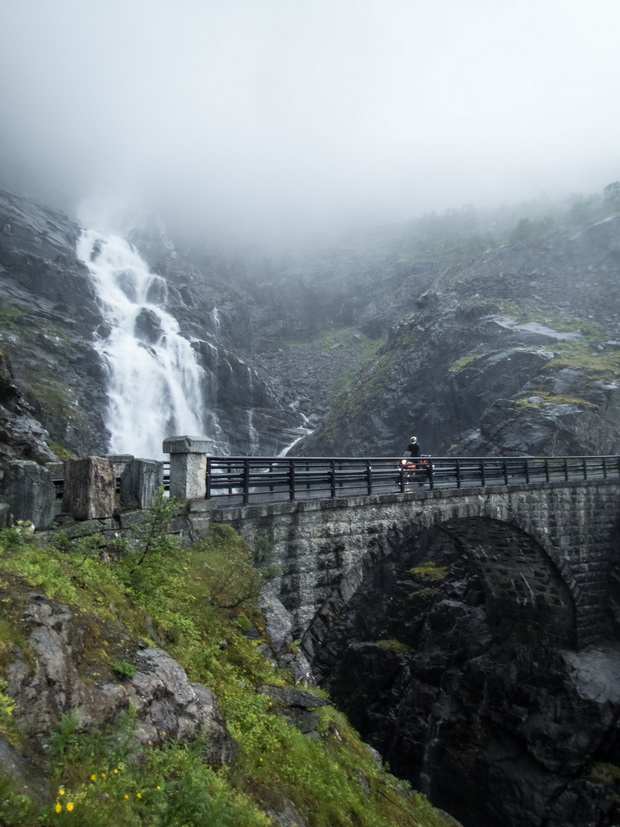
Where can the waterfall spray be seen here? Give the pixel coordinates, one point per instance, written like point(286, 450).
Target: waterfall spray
point(155, 384)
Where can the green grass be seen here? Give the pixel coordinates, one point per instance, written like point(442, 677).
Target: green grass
point(428, 570)
point(194, 597)
point(61, 452)
point(578, 354)
point(548, 400)
point(9, 313)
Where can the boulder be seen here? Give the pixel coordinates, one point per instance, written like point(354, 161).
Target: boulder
point(29, 491)
point(49, 684)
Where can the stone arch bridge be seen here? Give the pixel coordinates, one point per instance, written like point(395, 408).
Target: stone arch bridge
point(547, 553)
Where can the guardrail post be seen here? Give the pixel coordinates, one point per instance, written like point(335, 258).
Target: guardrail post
point(188, 465)
point(246, 482)
point(291, 473)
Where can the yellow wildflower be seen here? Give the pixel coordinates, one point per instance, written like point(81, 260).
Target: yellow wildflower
point(69, 805)
point(93, 777)
point(58, 807)
point(61, 791)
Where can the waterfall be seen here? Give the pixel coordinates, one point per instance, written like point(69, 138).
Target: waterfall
point(216, 322)
point(155, 385)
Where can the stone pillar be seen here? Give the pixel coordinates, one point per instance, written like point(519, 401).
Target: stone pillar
point(140, 481)
point(28, 489)
point(188, 465)
point(90, 488)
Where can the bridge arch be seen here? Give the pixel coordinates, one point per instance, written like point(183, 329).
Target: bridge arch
point(526, 596)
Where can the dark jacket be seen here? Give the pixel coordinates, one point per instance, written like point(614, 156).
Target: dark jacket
point(413, 449)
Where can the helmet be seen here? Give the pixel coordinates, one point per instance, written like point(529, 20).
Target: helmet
point(413, 439)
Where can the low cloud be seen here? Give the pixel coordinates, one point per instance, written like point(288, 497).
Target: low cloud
point(253, 116)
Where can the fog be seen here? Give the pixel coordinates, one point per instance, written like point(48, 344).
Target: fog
point(251, 117)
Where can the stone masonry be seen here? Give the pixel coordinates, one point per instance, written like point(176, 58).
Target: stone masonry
point(545, 551)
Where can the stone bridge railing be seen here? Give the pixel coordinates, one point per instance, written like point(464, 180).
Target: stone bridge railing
point(93, 488)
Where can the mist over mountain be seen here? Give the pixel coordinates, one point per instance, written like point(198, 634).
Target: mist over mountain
point(298, 171)
point(237, 120)
point(316, 228)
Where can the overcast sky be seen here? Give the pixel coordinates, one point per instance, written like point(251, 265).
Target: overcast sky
point(266, 113)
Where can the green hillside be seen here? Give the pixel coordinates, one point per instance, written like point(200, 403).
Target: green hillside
point(198, 602)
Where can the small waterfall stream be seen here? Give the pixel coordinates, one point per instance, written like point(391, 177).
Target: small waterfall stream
point(156, 387)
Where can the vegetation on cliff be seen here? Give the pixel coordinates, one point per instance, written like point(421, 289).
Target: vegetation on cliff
point(199, 602)
point(530, 313)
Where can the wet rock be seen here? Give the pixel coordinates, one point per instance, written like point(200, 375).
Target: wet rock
point(285, 814)
point(496, 730)
point(147, 326)
point(167, 704)
point(26, 777)
point(140, 481)
point(298, 705)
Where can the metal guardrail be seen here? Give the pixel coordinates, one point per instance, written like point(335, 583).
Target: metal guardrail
point(269, 479)
point(273, 479)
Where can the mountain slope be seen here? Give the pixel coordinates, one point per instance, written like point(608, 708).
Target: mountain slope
point(516, 350)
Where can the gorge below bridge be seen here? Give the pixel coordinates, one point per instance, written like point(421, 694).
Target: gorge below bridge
point(547, 552)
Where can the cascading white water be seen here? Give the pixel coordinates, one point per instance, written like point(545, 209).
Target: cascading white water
point(215, 320)
point(155, 385)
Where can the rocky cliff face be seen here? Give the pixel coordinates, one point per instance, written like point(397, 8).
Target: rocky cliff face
point(502, 343)
point(495, 729)
point(21, 435)
point(515, 351)
point(48, 319)
point(48, 315)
